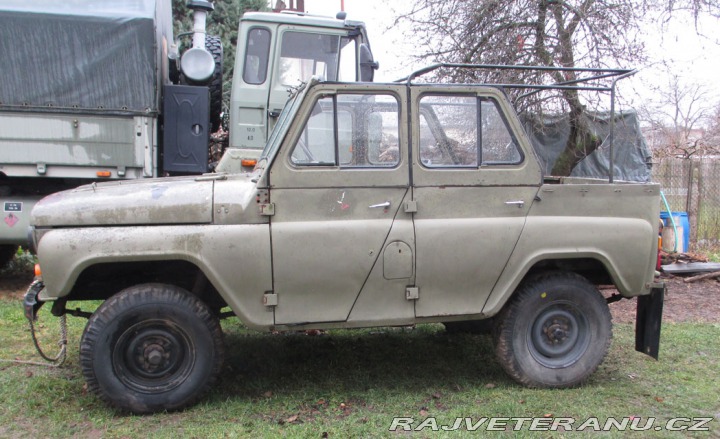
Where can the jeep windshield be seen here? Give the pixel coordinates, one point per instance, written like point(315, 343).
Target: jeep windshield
point(286, 116)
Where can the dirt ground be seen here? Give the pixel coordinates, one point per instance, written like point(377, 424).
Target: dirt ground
point(14, 286)
point(684, 302)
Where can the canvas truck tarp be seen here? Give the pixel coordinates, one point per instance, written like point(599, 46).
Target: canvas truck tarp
point(631, 153)
point(83, 55)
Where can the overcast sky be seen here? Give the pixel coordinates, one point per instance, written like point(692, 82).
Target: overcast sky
point(694, 58)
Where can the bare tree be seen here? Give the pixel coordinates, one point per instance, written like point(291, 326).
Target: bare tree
point(559, 33)
point(711, 140)
point(713, 132)
point(677, 115)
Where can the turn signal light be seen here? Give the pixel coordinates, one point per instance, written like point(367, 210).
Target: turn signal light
point(248, 162)
point(38, 271)
point(104, 174)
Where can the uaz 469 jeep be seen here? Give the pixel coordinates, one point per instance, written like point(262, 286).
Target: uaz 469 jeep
point(371, 205)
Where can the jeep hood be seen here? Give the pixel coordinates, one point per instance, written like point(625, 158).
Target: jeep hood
point(159, 201)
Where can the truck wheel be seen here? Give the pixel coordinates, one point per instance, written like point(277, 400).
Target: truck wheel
point(484, 326)
point(555, 332)
point(151, 347)
point(7, 252)
point(213, 45)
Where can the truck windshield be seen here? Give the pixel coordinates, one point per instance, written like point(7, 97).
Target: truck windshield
point(306, 54)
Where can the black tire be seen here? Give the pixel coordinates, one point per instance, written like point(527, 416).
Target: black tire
point(579, 318)
point(485, 326)
point(150, 348)
point(213, 45)
point(7, 253)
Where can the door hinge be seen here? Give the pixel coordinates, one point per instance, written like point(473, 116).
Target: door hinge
point(411, 206)
point(267, 209)
point(412, 293)
point(270, 299)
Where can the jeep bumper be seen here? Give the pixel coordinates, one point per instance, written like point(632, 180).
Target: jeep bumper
point(30, 303)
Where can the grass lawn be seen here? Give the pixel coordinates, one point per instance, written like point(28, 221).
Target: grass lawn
point(353, 383)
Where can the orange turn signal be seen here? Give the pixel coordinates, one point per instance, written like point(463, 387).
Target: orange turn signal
point(248, 162)
point(38, 272)
point(104, 174)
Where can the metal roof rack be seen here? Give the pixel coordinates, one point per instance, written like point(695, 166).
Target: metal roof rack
point(575, 84)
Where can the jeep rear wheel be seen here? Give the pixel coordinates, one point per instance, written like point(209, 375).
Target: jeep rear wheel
point(151, 347)
point(555, 332)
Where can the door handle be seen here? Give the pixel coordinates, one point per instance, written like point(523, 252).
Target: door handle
point(384, 205)
point(519, 203)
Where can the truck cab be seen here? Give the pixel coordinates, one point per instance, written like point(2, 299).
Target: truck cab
point(279, 52)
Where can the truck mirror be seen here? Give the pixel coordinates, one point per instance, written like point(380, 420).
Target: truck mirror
point(367, 64)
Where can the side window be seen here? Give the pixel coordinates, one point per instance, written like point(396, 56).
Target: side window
point(348, 59)
point(498, 144)
point(350, 131)
point(448, 131)
point(257, 53)
point(464, 131)
point(303, 55)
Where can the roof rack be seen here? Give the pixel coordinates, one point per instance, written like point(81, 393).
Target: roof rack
point(597, 75)
point(575, 84)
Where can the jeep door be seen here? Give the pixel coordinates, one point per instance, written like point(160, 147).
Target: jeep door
point(474, 182)
point(337, 185)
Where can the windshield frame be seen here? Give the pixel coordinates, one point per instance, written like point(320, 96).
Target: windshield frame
point(284, 121)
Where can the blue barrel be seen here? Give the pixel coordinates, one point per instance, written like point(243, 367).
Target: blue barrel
point(683, 225)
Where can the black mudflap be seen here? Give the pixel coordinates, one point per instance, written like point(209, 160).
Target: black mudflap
point(648, 322)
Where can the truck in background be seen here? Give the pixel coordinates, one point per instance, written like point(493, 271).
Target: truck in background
point(98, 91)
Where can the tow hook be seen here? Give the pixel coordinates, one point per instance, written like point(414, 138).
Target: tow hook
point(30, 303)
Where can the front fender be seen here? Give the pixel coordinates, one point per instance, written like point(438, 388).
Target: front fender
point(235, 258)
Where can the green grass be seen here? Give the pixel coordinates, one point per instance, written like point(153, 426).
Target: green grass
point(352, 384)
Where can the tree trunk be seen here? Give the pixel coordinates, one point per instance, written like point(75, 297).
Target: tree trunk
point(581, 143)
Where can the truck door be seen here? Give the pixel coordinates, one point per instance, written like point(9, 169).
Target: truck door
point(474, 185)
point(338, 186)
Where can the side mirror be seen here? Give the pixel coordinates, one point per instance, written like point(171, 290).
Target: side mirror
point(367, 64)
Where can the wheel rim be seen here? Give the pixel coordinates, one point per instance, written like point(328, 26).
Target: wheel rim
point(153, 356)
point(559, 335)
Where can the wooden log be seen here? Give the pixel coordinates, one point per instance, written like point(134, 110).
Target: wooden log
point(712, 275)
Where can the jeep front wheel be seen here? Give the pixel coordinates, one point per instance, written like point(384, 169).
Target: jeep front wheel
point(555, 332)
point(151, 347)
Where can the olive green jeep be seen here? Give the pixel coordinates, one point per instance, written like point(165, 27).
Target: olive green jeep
point(371, 205)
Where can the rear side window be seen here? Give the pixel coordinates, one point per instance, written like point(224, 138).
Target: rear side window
point(464, 131)
point(257, 54)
